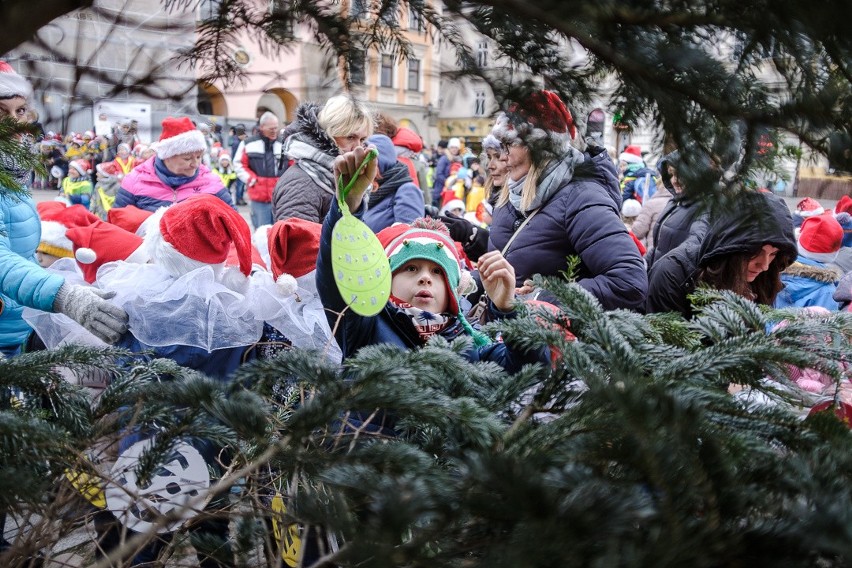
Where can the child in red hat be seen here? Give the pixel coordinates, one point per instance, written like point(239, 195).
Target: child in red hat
point(812, 279)
point(77, 187)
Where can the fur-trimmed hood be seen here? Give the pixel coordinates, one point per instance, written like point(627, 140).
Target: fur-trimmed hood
point(306, 129)
point(820, 273)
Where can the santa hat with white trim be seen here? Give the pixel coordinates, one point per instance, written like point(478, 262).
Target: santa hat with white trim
point(56, 219)
point(102, 242)
point(83, 167)
point(198, 232)
point(12, 84)
point(540, 121)
point(809, 207)
point(53, 240)
point(820, 238)
point(293, 246)
point(179, 137)
point(631, 155)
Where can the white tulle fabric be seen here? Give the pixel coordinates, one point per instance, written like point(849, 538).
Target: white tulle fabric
point(210, 307)
point(56, 330)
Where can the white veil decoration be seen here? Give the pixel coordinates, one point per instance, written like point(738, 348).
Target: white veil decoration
point(57, 330)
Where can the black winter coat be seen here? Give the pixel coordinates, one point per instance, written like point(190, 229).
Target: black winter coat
point(679, 221)
point(761, 219)
point(581, 219)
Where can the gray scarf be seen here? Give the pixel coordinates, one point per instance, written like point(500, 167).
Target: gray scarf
point(555, 176)
point(313, 161)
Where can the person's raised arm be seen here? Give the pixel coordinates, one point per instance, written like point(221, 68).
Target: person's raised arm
point(346, 166)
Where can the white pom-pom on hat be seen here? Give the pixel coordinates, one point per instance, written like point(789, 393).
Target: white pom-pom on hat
point(286, 284)
point(85, 255)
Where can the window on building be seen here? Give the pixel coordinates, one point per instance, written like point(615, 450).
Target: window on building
point(413, 74)
point(386, 79)
point(415, 20)
point(482, 54)
point(479, 104)
point(358, 8)
point(208, 10)
point(358, 66)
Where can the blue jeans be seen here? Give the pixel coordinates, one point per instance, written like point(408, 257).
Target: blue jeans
point(261, 214)
point(239, 191)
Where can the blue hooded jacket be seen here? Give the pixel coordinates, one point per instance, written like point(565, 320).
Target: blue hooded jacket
point(808, 283)
point(22, 281)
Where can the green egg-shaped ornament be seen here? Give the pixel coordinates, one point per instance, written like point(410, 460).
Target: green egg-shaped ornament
point(361, 269)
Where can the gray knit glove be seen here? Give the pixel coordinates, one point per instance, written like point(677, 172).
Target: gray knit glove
point(89, 307)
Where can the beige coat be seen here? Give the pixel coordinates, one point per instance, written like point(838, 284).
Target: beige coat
point(644, 224)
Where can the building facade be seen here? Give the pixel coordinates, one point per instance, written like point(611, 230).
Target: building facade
point(303, 70)
point(117, 60)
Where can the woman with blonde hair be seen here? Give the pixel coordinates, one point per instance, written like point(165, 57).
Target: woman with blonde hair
point(316, 138)
point(562, 200)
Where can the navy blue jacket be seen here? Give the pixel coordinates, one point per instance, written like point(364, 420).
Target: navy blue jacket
point(582, 219)
point(397, 200)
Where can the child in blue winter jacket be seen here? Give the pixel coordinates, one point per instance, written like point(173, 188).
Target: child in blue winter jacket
point(812, 280)
point(426, 274)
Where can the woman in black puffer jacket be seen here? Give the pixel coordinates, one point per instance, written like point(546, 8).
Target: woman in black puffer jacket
point(682, 219)
point(570, 201)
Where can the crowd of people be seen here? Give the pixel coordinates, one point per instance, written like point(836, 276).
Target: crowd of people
point(148, 235)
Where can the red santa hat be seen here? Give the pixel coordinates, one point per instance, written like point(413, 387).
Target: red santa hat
point(128, 218)
point(179, 137)
point(809, 207)
point(83, 167)
point(293, 250)
point(12, 84)
point(101, 242)
point(73, 216)
point(47, 209)
point(202, 230)
point(107, 170)
point(844, 205)
point(820, 238)
point(56, 219)
point(539, 121)
point(233, 258)
point(631, 155)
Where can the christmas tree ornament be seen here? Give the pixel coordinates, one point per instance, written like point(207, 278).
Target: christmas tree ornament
point(361, 269)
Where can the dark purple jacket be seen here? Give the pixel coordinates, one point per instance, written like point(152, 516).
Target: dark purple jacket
point(581, 219)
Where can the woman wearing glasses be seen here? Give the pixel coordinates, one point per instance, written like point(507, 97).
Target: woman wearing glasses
point(562, 200)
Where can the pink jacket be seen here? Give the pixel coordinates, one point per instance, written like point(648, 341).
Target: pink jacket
point(145, 190)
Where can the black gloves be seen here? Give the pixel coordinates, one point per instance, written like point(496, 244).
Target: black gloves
point(474, 239)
